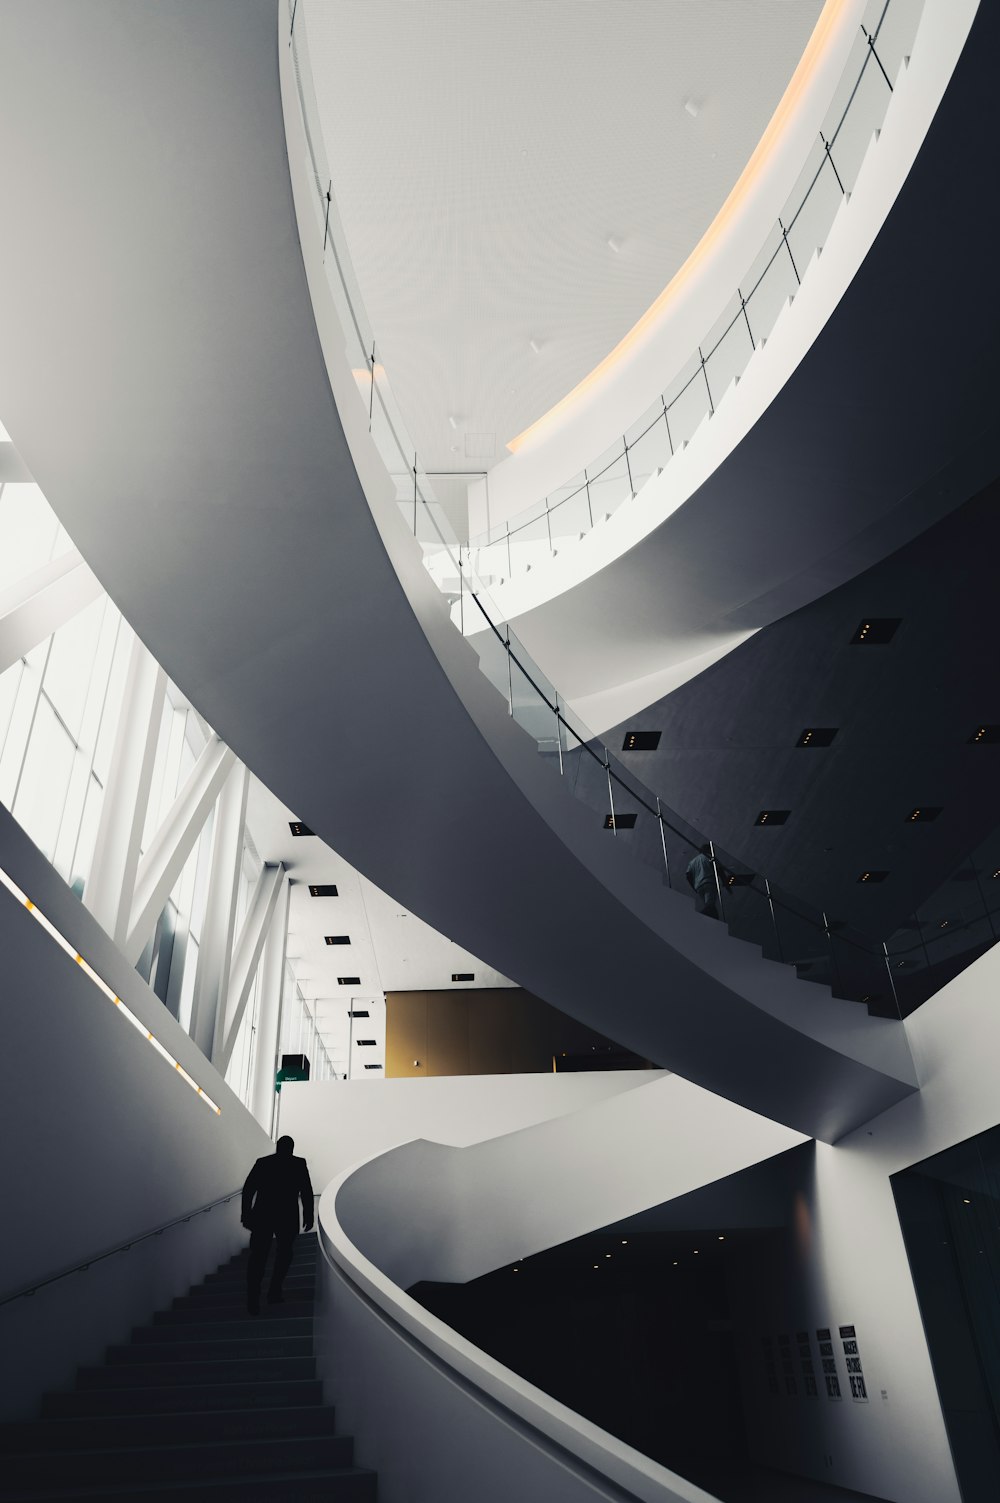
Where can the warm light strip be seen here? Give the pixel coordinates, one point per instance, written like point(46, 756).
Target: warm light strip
point(799, 82)
point(102, 986)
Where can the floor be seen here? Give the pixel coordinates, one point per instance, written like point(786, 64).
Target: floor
point(733, 1483)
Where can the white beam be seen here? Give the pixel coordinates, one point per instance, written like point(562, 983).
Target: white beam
point(173, 843)
point(34, 607)
point(212, 980)
point(109, 888)
point(246, 958)
point(272, 983)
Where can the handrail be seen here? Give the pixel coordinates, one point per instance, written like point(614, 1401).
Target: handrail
point(701, 358)
point(121, 1247)
point(385, 420)
point(614, 1468)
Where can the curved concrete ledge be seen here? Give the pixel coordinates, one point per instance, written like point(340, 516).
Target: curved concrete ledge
point(822, 460)
point(167, 387)
point(427, 1211)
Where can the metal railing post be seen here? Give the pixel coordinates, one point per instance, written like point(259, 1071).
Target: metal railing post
point(774, 919)
point(628, 466)
point(892, 982)
point(788, 248)
point(666, 420)
point(559, 736)
point(704, 371)
point(718, 884)
point(611, 791)
point(414, 495)
point(746, 317)
point(510, 678)
point(663, 841)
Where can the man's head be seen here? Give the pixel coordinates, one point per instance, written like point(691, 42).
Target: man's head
point(284, 1147)
point(706, 850)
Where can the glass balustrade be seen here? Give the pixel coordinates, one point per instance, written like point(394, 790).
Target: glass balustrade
point(958, 922)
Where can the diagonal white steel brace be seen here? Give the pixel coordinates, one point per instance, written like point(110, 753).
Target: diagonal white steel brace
point(173, 843)
point(246, 958)
point(34, 607)
point(211, 985)
point(111, 884)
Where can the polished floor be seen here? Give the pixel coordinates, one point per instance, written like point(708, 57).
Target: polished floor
point(732, 1483)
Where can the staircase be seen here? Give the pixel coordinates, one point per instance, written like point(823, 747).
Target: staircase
point(205, 1402)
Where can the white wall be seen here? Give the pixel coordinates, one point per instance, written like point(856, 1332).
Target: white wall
point(437, 1417)
point(426, 1211)
point(697, 295)
point(102, 1141)
point(846, 1263)
point(338, 1124)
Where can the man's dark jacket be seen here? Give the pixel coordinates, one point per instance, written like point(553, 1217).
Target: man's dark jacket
point(271, 1194)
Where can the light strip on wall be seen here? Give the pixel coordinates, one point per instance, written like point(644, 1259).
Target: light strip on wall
point(822, 35)
point(102, 986)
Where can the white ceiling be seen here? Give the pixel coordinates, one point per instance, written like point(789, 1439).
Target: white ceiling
point(485, 152)
point(390, 949)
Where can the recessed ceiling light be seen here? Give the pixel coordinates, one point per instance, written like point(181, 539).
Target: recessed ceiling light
point(817, 735)
point(619, 821)
point(872, 876)
point(298, 828)
point(641, 740)
point(924, 814)
point(365, 1043)
point(772, 817)
point(614, 244)
point(463, 976)
point(373, 1067)
point(535, 346)
point(358, 1012)
point(692, 106)
point(876, 631)
point(452, 422)
point(985, 735)
point(348, 980)
point(322, 889)
point(336, 939)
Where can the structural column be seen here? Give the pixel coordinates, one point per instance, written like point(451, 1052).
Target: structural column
point(272, 983)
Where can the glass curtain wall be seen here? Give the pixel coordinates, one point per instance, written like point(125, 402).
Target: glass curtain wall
point(59, 703)
point(60, 709)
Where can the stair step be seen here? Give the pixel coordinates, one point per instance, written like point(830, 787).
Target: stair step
point(195, 1461)
point(158, 1374)
point(186, 1427)
point(226, 1299)
point(258, 1344)
point(268, 1322)
point(237, 1283)
point(148, 1399)
point(344, 1485)
point(233, 1313)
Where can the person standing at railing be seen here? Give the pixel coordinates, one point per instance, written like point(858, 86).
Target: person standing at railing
point(271, 1196)
point(700, 873)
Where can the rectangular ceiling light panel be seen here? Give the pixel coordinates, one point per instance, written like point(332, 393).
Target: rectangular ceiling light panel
point(323, 890)
point(641, 741)
point(876, 631)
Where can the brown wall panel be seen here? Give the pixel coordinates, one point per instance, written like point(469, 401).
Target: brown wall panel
point(405, 1033)
point(479, 1031)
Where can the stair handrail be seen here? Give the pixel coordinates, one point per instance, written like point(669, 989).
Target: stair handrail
point(120, 1247)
